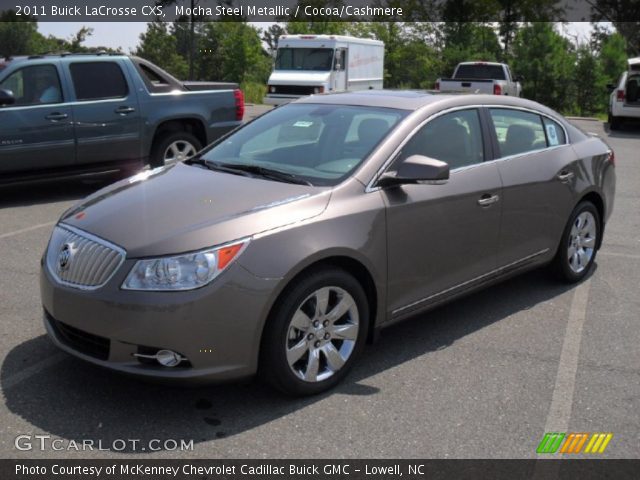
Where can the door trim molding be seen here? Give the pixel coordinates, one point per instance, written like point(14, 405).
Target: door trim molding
point(496, 271)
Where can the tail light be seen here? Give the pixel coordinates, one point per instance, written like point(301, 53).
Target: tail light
point(620, 95)
point(239, 96)
point(497, 89)
point(437, 86)
point(611, 158)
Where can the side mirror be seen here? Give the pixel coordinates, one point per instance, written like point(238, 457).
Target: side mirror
point(417, 169)
point(6, 98)
point(518, 78)
point(611, 87)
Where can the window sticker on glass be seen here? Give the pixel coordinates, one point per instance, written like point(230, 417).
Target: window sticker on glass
point(552, 135)
point(303, 124)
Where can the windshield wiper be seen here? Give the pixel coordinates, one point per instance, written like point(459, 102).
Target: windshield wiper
point(265, 173)
point(249, 171)
point(219, 167)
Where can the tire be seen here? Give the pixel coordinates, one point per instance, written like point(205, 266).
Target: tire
point(300, 343)
point(184, 141)
point(579, 245)
point(614, 122)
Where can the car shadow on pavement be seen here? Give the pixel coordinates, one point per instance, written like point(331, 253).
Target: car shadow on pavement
point(61, 396)
point(628, 129)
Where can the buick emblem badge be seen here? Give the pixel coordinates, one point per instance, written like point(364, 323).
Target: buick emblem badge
point(64, 257)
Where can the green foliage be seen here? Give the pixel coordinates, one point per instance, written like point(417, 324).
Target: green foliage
point(157, 46)
point(613, 57)
point(254, 92)
point(546, 60)
point(589, 83)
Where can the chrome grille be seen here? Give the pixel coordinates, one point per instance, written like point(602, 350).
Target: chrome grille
point(81, 260)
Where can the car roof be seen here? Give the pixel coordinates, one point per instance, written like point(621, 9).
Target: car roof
point(54, 56)
point(417, 99)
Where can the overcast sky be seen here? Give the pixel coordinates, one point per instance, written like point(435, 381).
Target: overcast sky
point(126, 35)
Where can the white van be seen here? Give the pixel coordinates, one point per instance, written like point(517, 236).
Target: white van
point(625, 97)
point(308, 64)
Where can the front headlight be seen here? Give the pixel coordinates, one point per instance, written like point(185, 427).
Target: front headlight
point(182, 272)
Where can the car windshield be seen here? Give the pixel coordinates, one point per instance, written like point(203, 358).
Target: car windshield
point(480, 71)
point(315, 144)
point(318, 59)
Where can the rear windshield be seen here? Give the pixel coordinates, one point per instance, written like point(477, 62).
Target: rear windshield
point(479, 71)
point(322, 144)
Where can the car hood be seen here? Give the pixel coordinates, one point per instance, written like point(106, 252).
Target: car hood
point(184, 208)
point(298, 77)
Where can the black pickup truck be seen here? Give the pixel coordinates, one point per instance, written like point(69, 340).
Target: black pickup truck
point(73, 114)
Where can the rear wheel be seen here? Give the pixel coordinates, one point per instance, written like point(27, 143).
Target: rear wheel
point(316, 333)
point(173, 147)
point(578, 247)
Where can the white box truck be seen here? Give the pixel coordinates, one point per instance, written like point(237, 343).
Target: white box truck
point(308, 64)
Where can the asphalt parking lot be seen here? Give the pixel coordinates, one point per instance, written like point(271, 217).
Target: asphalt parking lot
point(484, 377)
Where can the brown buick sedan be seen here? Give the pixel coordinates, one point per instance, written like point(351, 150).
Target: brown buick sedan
point(284, 246)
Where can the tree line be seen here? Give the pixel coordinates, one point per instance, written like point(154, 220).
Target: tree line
point(557, 71)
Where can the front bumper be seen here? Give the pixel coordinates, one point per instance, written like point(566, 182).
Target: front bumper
point(217, 327)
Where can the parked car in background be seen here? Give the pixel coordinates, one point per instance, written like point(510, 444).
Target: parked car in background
point(282, 246)
point(624, 101)
point(310, 64)
point(481, 77)
point(70, 113)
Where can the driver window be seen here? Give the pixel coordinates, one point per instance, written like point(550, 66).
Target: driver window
point(36, 85)
point(455, 138)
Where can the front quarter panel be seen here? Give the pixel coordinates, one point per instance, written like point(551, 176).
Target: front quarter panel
point(352, 226)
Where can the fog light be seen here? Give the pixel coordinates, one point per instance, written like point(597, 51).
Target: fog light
point(166, 358)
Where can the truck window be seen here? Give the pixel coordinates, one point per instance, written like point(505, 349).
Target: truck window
point(480, 71)
point(35, 85)
point(518, 132)
point(341, 59)
point(319, 59)
point(98, 80)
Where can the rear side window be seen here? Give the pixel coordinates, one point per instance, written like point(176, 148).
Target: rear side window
point(455, 138)
point(518, 132)
point(36, 85)
point(98, 80)
point(555, 133)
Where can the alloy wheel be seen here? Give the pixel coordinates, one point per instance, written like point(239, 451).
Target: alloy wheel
point(322, 334)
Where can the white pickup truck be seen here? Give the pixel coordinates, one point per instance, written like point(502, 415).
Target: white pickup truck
point(481, 77)
point(624, 101)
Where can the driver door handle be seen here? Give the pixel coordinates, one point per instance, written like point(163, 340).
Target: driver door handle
point(488, 199)
point(56, 116)
point(125, 110)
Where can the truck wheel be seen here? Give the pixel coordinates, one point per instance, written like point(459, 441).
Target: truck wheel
point(614, 122)
point(173, 147)
point(315, 334)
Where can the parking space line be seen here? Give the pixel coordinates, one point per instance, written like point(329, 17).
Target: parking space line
point(25, 230)
point(562, 400)
point(623, 255)
point(22, 375)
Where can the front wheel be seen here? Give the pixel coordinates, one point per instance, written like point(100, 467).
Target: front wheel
point(316, 332)
point(578, 247)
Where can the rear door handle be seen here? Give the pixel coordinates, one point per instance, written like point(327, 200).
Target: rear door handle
point(488, 199)
point(56, 116)
point(125, 110)
point(565, 176)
